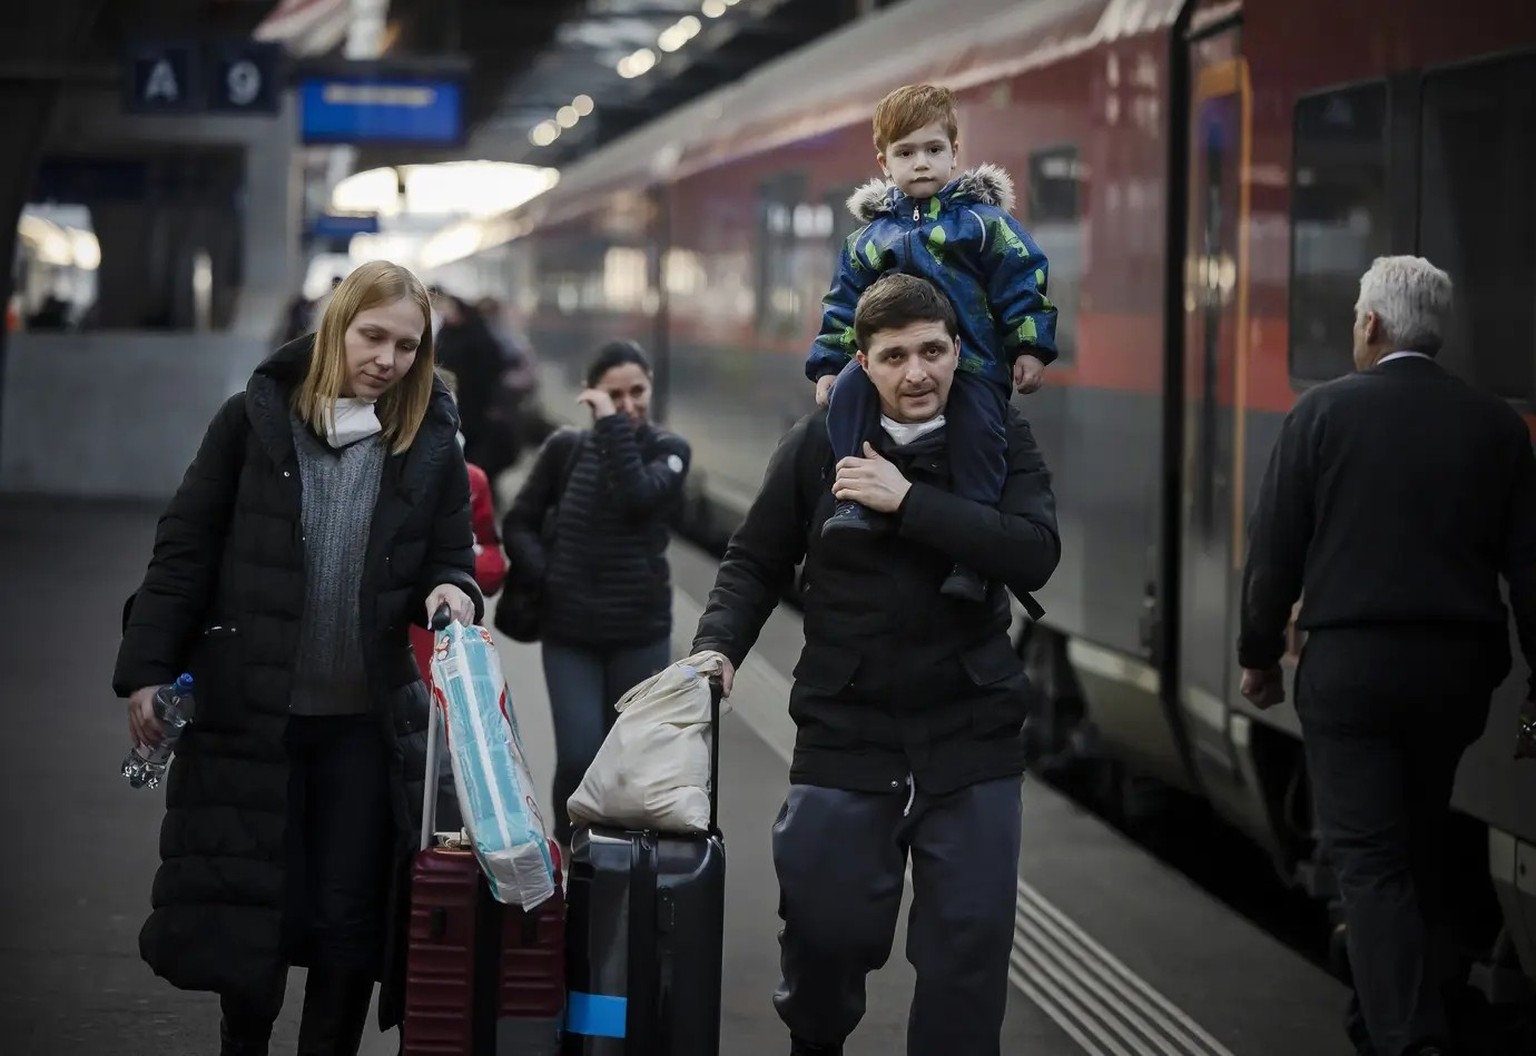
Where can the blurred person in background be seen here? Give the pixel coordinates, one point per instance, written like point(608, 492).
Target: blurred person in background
point(490, 560)
point(586, 541)
point(467, 346)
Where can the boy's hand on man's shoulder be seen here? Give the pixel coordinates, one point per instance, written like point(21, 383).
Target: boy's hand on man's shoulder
point(824, 389)
point(1028, 374)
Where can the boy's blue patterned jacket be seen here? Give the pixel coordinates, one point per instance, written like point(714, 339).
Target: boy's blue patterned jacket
point(965, 241)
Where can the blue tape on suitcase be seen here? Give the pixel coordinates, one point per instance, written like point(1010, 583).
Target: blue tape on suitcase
point(596, 1015)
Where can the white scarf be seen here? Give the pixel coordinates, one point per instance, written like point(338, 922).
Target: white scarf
point(351, 419)
point(906, 432)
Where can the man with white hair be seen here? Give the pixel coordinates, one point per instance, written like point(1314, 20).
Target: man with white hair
point(1394, 500)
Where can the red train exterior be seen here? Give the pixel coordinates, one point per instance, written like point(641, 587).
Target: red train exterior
point(1209, 180)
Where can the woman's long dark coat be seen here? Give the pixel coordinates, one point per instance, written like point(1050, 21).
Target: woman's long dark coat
point(223, 598)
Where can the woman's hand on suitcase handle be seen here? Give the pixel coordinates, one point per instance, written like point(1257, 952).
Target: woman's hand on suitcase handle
point(458, 603)
point(142, 724)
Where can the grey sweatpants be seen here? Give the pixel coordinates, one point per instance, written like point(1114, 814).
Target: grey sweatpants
point(841, 861)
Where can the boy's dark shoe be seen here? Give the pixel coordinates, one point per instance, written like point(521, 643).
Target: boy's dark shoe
point(849, 517)
point(965, 584)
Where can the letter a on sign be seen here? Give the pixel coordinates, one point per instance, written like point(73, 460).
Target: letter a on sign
point(161, 83)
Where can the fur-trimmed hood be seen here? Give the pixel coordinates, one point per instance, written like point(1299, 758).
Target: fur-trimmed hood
point(986, 184)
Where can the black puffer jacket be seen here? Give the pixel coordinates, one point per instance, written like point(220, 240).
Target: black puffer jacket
point(894, 679)
point(223, 598)
point(593, 532)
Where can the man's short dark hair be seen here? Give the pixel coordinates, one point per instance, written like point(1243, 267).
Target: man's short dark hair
point(896, 300)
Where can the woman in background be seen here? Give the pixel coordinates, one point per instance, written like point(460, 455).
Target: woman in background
point(589, 532)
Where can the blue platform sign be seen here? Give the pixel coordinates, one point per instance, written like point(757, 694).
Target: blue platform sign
point(339, 225)
point(163, 78)
point(389, 110)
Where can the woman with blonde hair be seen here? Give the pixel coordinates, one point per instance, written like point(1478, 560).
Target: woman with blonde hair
point(326, 510)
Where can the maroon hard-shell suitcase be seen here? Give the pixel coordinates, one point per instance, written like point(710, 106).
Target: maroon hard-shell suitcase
point(482, 978)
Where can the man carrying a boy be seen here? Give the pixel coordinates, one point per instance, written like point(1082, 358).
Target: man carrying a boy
point(908, 705)
point(957, 232)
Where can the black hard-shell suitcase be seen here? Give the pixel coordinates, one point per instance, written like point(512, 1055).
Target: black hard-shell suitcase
point(645, 925)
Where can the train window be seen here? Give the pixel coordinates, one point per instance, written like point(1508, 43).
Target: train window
point(778, 302)
point(1477, 216)
point(844, 223)
point(1339, 221)
point(1055, 220)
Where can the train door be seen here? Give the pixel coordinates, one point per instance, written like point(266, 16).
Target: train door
point(1214, 331)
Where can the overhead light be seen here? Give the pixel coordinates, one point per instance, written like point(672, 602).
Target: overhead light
point(566, 117)
point(544, 133)
point(636, 63)
point(369, 191)
point(713, 8)
point(582, 104)
point(679, 33)
point(452, 243)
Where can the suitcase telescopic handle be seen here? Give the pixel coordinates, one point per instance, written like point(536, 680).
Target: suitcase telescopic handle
point(440, 619)
point(716, 692)
point(433, 773)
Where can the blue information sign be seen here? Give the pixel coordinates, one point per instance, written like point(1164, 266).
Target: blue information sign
point(340, 225)
point(381, 110)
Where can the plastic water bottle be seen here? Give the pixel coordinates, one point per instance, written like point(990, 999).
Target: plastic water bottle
point(144, 766)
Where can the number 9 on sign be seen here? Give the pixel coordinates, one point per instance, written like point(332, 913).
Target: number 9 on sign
point(243, 83)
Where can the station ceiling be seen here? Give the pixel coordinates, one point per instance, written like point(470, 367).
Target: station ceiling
point(523, 59)
point(531, 58)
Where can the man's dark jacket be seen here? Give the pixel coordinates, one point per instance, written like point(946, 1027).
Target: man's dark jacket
point(1395, 497)
point(895, 679)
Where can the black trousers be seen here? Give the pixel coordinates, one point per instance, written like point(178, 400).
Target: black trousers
point(1386, 716)
point(841, 859)
point(339, 835)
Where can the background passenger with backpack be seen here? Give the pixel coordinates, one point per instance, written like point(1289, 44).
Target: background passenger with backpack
point(586, 542)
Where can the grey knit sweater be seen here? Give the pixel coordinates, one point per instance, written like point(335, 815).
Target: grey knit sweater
point(340, 489)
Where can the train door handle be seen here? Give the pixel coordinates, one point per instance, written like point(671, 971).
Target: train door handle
point(1147, 622)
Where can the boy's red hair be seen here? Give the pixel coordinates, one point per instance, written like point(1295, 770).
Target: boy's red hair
point(909, 108)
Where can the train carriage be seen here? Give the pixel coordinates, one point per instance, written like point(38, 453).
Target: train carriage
point(1209, 180)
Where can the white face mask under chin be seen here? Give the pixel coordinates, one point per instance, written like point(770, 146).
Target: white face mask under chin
point(352, 419)
point(906, 432)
